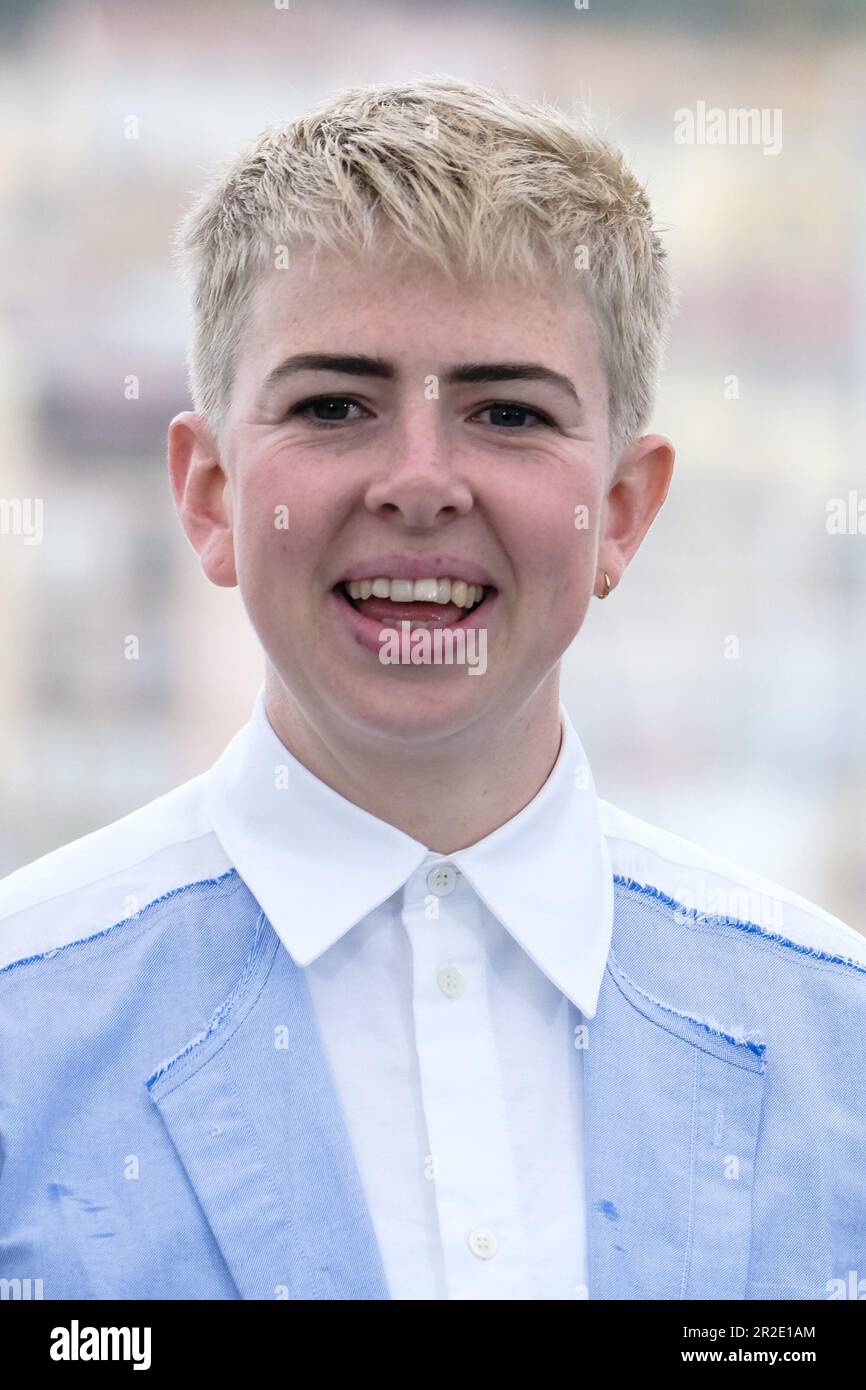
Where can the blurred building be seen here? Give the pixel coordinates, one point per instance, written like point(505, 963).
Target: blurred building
point(113, 115)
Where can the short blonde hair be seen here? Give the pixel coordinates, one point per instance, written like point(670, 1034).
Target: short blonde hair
point(474, 180)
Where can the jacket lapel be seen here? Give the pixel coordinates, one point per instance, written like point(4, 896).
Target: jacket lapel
point(252, 1112)
point(671, 1109)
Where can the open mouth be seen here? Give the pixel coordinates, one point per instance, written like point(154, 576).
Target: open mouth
point(419, 612)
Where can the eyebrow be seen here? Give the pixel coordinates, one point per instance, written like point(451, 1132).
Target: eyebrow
point(357, 364)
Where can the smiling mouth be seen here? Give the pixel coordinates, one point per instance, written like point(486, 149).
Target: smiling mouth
point(418, 612)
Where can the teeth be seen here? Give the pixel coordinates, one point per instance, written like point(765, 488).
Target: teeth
point(418, 590)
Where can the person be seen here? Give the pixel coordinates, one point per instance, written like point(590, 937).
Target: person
point(389, 1003)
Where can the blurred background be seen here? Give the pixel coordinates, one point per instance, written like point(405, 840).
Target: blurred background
point(112, 114)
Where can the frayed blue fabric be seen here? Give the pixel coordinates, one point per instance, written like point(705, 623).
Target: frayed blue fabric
point(116, 926)
point(169, 1127)
point(724, 1110)
point(167, 1123)
point(697, 917)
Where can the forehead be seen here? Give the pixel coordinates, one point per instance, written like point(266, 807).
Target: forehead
point(410, 310)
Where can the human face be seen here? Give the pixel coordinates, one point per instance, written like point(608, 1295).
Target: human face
point(420, 462)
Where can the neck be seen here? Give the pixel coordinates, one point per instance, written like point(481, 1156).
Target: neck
point(446, 794)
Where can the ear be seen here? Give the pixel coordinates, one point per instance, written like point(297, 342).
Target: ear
point(638, 488)
point(202, 495)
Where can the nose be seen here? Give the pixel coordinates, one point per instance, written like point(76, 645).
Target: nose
point(418, 473)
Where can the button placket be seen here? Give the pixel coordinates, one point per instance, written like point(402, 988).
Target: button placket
point(463, 1097)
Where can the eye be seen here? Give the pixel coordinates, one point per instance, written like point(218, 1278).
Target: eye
point(333, 410)
point(512, 415)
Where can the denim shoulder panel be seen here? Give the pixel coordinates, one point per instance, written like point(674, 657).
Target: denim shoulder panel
point(146, 919)
point(797, 1007)
point(108, 1009)
point(692, 916)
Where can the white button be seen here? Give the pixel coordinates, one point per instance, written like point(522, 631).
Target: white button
point(450, 981)
point(442, 880)
point(482, 1244)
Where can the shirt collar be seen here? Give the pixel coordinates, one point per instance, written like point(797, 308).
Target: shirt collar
point(317, 863)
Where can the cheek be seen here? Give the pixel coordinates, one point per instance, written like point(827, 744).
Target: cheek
point(273, 528)
point(282, 554)
point(266, 548)
point(555, 534)
point(258, 534)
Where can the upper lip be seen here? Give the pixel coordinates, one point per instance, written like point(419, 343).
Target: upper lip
point(417, 567)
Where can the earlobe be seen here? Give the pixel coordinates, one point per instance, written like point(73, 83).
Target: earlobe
point(606, 585)
point(200, 488)
point(218, 563)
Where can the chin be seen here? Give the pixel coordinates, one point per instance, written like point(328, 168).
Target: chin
point(405, 712)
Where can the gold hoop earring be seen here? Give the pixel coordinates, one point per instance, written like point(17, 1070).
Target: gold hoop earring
point(606, 584)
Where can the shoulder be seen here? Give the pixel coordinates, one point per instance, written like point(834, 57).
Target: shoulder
point(693, 879)
point(95, 882)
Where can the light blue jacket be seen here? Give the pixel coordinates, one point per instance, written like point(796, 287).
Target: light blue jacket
point(155, 1142)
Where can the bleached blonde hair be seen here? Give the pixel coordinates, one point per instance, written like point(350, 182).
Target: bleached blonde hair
point(476, 181)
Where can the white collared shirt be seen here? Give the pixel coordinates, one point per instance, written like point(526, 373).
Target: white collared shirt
point(449, 990)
